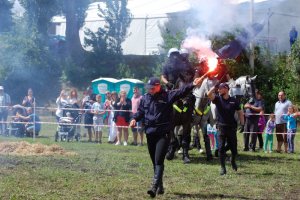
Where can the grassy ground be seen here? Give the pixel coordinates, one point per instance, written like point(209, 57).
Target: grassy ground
point(105, 171)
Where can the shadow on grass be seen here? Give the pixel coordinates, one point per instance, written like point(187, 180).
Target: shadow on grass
point(209, 196)
point(242, 157)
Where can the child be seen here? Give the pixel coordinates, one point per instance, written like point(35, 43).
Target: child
point(212, 132)
point(270, 126)
point(290, 117)
point(98, 111)
point(261, 127)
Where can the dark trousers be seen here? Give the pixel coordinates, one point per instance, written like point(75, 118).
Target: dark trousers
point(157, 147)
point(227, 137)
point(251, 128)
point(260, 140)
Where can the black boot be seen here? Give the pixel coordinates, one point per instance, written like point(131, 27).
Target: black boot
point(185, 156)
point(157, 180)
point(223, 168)
point(160, 188)
point(172, 149)
point(217, 153)
point(233, 163)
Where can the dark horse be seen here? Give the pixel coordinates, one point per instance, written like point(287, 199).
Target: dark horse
point(182, 119)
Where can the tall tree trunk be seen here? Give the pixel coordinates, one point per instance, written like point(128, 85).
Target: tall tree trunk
point(74, 47)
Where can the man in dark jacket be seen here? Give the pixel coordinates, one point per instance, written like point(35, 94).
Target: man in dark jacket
point(226, 124)
point(156, 108)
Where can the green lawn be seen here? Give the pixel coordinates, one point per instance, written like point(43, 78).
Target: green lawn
point(105, 171)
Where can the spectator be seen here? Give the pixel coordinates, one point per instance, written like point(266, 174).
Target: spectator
point(212, 134)
point(253, 108)
point(29, 100)
point(261, 128)
point(112, 125)
point(61, 102)
point(5, 102)
point(88, 117)
point(107, 106)
point(281, 107)
point(98, 111)
point(122, 117)
point(293, 36)
point(135, 100)
point(290, 117)
point(269, 134)
point(33, 126)
point(73, 98)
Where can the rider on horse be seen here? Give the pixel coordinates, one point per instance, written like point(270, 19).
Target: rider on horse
point(177, 72)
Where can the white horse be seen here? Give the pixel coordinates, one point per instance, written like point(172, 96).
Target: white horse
point(205, 111)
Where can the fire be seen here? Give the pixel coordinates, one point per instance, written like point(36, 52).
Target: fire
point(212, 63)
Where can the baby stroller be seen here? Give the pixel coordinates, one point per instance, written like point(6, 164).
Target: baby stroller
point(67, 125)
point(16, 127)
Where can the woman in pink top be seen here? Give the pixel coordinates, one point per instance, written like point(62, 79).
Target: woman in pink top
point(135, 102)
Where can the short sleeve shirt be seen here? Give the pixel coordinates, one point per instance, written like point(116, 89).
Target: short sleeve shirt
point(226, 109)
point(98, 107)
point(251, 114)
point(281, 108)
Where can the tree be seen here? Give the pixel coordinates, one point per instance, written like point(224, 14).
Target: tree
point(38, 15)
point(106, 53)
point(25, 63)
point(25, 60)
point(5, 15)
point(75, 13)
point(117, 19)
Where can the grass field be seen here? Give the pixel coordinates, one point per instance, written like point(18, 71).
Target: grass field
point(105, 171)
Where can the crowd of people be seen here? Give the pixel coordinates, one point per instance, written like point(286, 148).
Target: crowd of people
point(114, 112)
point(25, 122)
point(282, 123)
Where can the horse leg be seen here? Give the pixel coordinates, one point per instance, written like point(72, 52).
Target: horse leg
point(173, 146)
point(178, 133)
point(186, 140)
point(206, 142)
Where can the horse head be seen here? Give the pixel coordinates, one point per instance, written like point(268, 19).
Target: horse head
point(244, 86)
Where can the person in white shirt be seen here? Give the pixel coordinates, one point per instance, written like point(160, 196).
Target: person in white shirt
point(5, 102)
point(98, 111)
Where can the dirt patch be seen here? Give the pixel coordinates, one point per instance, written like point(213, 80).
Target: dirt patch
point(27, 149)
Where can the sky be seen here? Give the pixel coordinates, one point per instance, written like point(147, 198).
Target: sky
point(242, 1)
point(153, 7)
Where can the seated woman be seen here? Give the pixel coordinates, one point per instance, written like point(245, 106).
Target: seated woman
point(33, 122)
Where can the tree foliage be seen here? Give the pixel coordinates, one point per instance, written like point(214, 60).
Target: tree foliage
point(25, 59)
point(75, 13)
point(105, 44)
point(38, 15)
point(6, 21)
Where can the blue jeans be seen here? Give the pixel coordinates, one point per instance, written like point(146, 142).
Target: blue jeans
point(290, 139)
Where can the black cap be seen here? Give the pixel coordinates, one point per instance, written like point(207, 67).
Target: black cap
point(224, 85)
point(153, 82)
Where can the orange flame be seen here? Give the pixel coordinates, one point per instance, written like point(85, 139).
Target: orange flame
point(212, 63)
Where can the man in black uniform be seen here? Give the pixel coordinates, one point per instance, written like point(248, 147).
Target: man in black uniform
point(226, 123)
point(156, 108)
point(172, 69)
